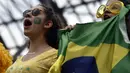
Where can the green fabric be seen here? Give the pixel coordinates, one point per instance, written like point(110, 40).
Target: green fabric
point(92, 35)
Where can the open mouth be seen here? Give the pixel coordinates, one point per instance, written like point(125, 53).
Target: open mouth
point(106, 17)
point(27, 23)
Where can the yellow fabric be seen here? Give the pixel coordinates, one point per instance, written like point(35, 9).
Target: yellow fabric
point(107, 55)
point(56, 67)
point(38, 64)
point(5, 59)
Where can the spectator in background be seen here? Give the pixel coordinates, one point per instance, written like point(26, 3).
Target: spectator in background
point(113, 8)
point(5, 59)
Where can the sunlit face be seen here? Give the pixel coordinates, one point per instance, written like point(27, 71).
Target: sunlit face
point(34, 20)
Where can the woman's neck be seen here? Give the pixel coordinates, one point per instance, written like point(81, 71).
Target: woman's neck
point(38, 44)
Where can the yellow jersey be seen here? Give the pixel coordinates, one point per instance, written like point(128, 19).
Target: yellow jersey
point(39, 64)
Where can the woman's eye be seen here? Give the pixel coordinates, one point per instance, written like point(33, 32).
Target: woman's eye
point(35, 12)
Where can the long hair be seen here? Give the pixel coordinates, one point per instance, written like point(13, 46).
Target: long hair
point(52, 34)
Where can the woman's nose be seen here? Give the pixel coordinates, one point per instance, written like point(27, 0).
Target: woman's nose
point(28, 15)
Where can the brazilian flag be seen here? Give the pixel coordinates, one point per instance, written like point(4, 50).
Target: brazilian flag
point(97, 47)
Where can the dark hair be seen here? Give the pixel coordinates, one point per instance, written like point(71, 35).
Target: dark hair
point(52, 34)
point(126, 2)
point(127, 17)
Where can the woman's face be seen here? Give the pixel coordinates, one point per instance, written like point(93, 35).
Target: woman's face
point(34, 20)
point(107, 13)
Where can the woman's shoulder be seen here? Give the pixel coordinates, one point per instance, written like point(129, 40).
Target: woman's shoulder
point(48, 58)
point(50, 53)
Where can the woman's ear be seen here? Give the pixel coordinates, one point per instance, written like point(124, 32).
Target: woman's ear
point(48, 24)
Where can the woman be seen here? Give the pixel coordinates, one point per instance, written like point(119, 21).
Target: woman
point(40, 26)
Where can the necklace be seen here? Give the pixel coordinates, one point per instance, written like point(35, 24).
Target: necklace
point(31, 53)
point(35, 52)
